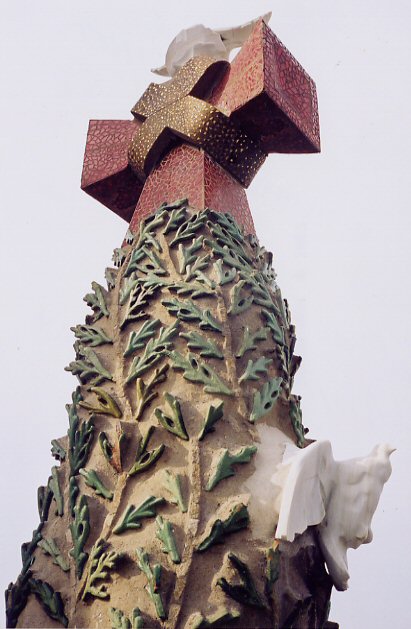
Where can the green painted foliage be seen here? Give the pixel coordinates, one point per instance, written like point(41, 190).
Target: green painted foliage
point(265, 399)
point(57, 450)
point(80, 435)
point(189, 228)
point(106, 404)
point(80, 530)
point(145, 393)
point(187, 311)
point(254, 368)
point(138, 339)
point(146, 458)
point(54, 485)
point(165, 534)
point(246, 593)
point(224, 466)
point(214, 414)
point(133, 515)
point(50, 600)
point(88, 367)
point(207, 347)
point(224, 276)
point(237, 520)
point(90, 335)
point(155, 349)
point(195, 371)
point(49, 547)
point(250, 340)
point(276, 330)
point(92, 479)
point(296, 420)
point(218, 619)
point(101, 562)
point(175, 423)
point(97, 302)
point(172, 482)
point(153, 586)
point(239, 303)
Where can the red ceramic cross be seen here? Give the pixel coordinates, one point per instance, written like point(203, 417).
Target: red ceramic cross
point(265, 91)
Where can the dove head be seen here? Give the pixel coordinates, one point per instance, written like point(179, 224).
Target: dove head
point(192, 42)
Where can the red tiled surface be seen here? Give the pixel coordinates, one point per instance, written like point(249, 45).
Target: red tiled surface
point(106, 174)
point(265, 91)
point(188, 172)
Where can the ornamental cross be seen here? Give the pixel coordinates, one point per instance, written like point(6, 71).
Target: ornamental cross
point(204, 134)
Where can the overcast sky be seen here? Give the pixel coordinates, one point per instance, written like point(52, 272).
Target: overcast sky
point(338, 224)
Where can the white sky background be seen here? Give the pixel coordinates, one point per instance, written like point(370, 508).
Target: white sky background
point(338, 224)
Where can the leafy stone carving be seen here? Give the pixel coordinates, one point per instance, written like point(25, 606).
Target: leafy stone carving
point(254, 368)
point(172, 482)
point(145, 391)
point(237, 520)
point(146, 458)
point(166, 535)
point(80, 435)
point(214, 414)
point(100, 563)
point(50, 547)
point(155, 350)
point(106, 404)
point(246, 593)
point(265, 399)
point(223, 468)
point(88, 367)
point(239, 303)
point(90, 335)
point(250, 339)
point(54, 485)
point(97, 302)
point(138, 338)
point(187, 311)
point(93, 480)
point(57, 450)
point(174, 424)
point(112, 451)
point(207, 347)
point(80, 530)
point(153, 586)
point(196, 371)
point(296, 420)
point(50, 600)
point(133, 515)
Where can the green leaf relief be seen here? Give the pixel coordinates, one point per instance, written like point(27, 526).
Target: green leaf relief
point(92, 479)
point(250, 340)
point(112, 451)
point(187, 311)
point(189, 228)
point(155, 350)
point(223, 466)
point(222, 615)
point(145, 391)
point(246, 593)
point(55, 488)
point(57, 450)
point(88, 367)
point(138, 299)
point(175, 218)
point(90, 335)
point(192, 288)
point(97, 302)
point(265, 399)
point(296, 420)
point(119, 256)
point(172, 482)
point(230, 257)
point(272, 568)
point(166, 535)
point(195, 371)
point(224, 276)
point(80, 530)
point(80, 435)
point(207, 347)
point(230, 226)
point(193, 265)
point(120, 621)
point(50, 600)
point(73, 494)
point(49, 547)
point(133, 515)
point(175, 424)
point(276, 331)
point(138, 339)
point(106, 404)
point(127, 286)
point(110, 275)
point(100, 563)
point(253, 369)
point(214, 414)
point(153, 586)
point(44, 498)
point(237, 520)
point(146, 458)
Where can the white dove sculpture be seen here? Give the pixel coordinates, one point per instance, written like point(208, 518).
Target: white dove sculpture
point(199, 40)
point(338, 496)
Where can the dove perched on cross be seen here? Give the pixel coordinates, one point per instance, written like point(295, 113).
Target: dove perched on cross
point(199, 40)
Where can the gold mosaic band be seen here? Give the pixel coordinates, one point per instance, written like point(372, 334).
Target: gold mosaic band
point(171, 111)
